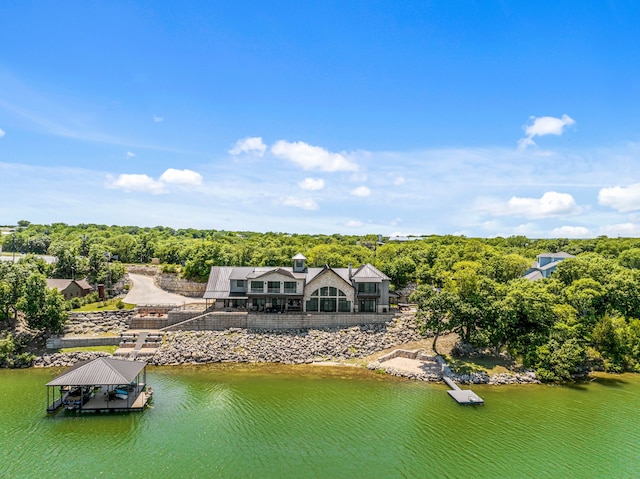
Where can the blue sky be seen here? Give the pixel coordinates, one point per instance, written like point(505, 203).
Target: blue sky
point(479, 118)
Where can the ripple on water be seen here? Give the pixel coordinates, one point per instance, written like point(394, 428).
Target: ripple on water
point(248, 421)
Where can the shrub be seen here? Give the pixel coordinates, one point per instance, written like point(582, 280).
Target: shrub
point(120, 304)
point(170, 268)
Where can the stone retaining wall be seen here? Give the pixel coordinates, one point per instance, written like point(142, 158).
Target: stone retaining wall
point(58, 343)
point(145, 270)
point(174, 284)
point(403, 353)
point(222, 321)
point(98, 323)
point(148, 323)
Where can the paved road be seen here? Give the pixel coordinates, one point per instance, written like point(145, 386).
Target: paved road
point(144, 291)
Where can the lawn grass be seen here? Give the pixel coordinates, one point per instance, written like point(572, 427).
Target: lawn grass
point(106, 349)
point(487, 364)
point(109, 305)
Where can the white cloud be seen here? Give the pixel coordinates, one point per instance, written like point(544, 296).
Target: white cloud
point(542, 126)
point(571, 232)
point(2, 133)
point(136, 182)
point(399, 181)
point(181, 177)
point(310, 157)
point(158, 119)
point(252, 145)
point(361, 191)
point(304, 203)
point(311, 184)
point(630, 230)
point(130, 154)
point(145, 183)
point(621, 198)
point(353, 224)
point(551, 204)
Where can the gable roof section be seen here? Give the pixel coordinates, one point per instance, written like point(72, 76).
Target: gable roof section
point(59, 284)
point(559, 255)
point(319, 272)
point(282, 271)
point(84, 284)
point(367, 273)
point(101, 371)
point(533, 275)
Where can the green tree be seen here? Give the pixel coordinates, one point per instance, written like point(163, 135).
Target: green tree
point(630, 258)
point(504, 268)
point(524, 317)
point(67, 264)
point(435, 310)
point(42, 308)
point(559, 361)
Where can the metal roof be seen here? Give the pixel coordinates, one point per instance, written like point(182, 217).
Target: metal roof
point(369, 273)
point(560, 254)
point(101, 371)
point(314, 273)
point(218, 285)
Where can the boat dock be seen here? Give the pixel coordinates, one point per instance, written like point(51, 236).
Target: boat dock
point(462, 396)
point(101, 385)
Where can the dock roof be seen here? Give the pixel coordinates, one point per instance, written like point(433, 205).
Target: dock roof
point(101, 371)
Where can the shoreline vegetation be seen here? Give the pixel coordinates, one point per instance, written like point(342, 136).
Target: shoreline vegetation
point(584, 316)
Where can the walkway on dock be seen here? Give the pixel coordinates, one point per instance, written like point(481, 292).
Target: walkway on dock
point(462, 396)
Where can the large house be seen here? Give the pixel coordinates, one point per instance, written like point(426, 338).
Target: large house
point(299, 289)
point(546, 264)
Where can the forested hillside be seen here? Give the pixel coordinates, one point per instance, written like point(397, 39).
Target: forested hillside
point(584, 316)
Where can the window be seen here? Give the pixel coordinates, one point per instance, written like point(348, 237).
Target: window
point(367, 288)
point(328, 305)
point(273, 286)
point(290, 287)
point(257, 287)
point(344, 306)
point(240, 283)
point(329, 291)
point(329, 299)
point(312, 304)
point(368, 306)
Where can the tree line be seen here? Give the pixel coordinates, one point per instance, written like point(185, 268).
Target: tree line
point(585, 316)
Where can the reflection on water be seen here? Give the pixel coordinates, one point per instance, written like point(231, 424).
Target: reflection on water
point(306, 421)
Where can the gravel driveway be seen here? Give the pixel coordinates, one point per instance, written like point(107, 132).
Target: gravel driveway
point(144, 291)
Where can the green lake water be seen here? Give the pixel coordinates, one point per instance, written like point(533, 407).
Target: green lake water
point(268, 421)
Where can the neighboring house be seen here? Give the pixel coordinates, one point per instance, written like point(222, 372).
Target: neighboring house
point(70, 288)
point(546, 264)
point(299, 289)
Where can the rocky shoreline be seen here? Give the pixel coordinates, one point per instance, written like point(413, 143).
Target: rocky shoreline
point(283, 346)
point(525, 377)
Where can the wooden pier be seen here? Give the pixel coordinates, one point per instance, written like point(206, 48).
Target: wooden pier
point(462, 396)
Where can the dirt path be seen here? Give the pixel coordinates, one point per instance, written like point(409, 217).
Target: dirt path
point(144, 291)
